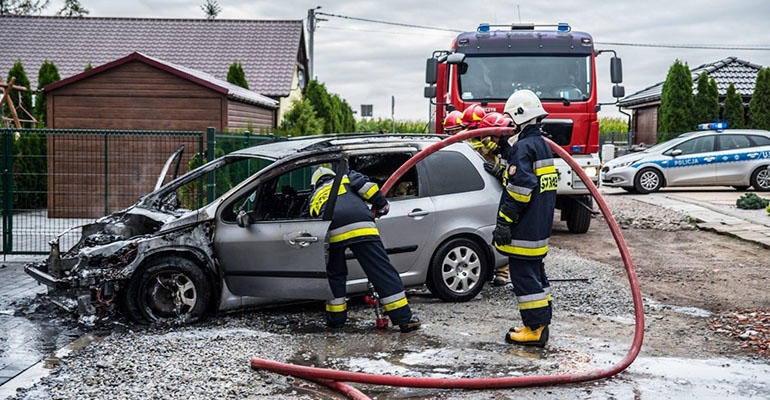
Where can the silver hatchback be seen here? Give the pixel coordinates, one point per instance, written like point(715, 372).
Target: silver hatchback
point(733, 157)
point(171, 257)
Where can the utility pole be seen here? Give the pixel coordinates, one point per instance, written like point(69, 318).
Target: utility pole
point(311, 27)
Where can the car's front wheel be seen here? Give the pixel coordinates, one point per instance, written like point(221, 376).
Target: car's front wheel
point(457, 271)
point(648, 180)
point(169, 288)
point(760, 179)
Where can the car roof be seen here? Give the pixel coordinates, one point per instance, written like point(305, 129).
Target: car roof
point(726, 132)
point(281, 148)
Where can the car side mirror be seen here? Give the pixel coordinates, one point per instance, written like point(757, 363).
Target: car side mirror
point(677, 152)
point(243, 219)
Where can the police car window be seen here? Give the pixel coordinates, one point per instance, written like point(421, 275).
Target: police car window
point(449, 172)
point(757, 140)
point(698, 145)
point(733, 142)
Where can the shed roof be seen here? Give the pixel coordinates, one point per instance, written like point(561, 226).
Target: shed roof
point(232, 91)
point(729, 70)
point(268, 50)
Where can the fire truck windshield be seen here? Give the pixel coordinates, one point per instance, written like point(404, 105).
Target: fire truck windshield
point(552, 78)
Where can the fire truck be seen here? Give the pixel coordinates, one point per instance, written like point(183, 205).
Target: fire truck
point(484, 67)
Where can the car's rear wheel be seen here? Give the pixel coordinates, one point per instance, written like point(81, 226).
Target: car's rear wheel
point(760, 179)
point(629, 189)
point(457, 271)
point(169, 288)
point(648, 180)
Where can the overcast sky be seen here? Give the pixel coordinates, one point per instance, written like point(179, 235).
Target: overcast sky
point(367, 63)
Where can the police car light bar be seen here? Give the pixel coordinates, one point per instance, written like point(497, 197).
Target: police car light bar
point(528, 26)
point(714, 126)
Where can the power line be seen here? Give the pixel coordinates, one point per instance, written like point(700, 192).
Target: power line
point(655, 45)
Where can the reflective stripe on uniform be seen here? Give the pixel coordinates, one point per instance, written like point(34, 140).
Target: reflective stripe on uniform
point(505, 217)
point(322, 195)
point(337, 305)
point(530, 248)
point(349, 231)
point(368, 190)
point(519, 193)
point(394, 301)
point(543, 167)
point(531, 301)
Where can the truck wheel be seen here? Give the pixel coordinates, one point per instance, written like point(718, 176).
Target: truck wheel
point(579, 217)
point(457, 271)
point(169, 288)
point(648, 180)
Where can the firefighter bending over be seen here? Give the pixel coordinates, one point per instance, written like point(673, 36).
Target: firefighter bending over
point(525, 217)
point(353, 227)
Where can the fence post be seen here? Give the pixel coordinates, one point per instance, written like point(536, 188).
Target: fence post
point(7, 141)
point(106, 176)
point(211, 151)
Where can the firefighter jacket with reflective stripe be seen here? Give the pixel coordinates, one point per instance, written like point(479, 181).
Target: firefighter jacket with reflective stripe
point(352, 221)
point(529, 198)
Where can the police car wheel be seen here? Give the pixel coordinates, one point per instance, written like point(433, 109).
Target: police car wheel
point(648, 180)
point(760, 179)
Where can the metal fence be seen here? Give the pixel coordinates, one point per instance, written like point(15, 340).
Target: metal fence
point(55, 179)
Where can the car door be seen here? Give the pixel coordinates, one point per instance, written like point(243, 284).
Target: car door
point(282, 253)
point(692, 162)
point(735, 160)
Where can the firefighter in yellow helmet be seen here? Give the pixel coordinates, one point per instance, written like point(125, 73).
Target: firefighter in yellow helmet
point(525, 217)
point(352, 226)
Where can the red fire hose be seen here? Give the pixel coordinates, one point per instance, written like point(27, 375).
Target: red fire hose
point(326, 375)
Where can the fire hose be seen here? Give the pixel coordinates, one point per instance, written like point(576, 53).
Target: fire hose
point(328, 376)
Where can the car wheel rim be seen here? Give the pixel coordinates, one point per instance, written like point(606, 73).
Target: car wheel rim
point(763, 179)
point(649, 181)
point(461, 269)
point(170, 295)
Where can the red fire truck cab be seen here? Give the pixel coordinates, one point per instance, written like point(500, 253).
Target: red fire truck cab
point(486, 66)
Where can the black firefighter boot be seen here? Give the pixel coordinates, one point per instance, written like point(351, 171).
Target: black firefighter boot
point(412, 325)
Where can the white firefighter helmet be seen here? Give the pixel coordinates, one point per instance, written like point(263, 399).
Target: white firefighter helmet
point(318, 173)
point(524, 105)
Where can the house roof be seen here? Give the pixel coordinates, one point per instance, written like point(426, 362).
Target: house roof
point(267, 50)
point(742, 74)
point(232, 91)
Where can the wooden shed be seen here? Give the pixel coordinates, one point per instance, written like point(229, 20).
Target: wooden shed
point(91, 174)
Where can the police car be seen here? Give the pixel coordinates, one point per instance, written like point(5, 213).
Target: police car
point(712, 156)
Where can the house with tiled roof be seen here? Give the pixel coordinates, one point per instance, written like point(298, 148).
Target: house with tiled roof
point(272, 53)
point(645, 103)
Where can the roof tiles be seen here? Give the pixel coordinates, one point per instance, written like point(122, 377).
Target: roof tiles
point(267, 50)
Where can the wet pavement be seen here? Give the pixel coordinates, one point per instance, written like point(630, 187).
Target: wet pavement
point(32, 337)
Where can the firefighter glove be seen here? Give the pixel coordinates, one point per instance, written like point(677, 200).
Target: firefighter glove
point(502, 233)
point(495, 169)
point(384, 210)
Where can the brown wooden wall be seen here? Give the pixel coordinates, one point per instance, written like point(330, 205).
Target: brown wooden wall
point(240, 114)
point(136, 96)
point(645, 125)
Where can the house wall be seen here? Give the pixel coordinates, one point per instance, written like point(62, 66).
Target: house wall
point(645, 125)
point(239, 115)
point(295, 94)
point(90, 174)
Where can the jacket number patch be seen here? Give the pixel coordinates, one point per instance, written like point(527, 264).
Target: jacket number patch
point(549, 182)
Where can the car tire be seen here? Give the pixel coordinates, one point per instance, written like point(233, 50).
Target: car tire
point(648, 180)
point(760, 179)
point(457, 271)
point(579, 217)
point(629, 189)
point(168, 289)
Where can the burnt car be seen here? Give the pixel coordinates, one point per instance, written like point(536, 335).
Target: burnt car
point(176, 256)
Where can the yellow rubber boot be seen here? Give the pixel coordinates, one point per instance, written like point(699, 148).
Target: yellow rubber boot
point(527, 336)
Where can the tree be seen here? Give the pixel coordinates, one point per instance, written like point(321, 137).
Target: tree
point(759, 106)
point(20, 98)
point(22, 7)
point(47, 74)
point(236, 76)
point(676, 103)
point(301, 120)
point(706, 102)
point(72, 8)
point(211, 8)
point(733, 113)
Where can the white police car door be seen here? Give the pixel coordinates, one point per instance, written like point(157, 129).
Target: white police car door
point(696, 165)
point(735, 159)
